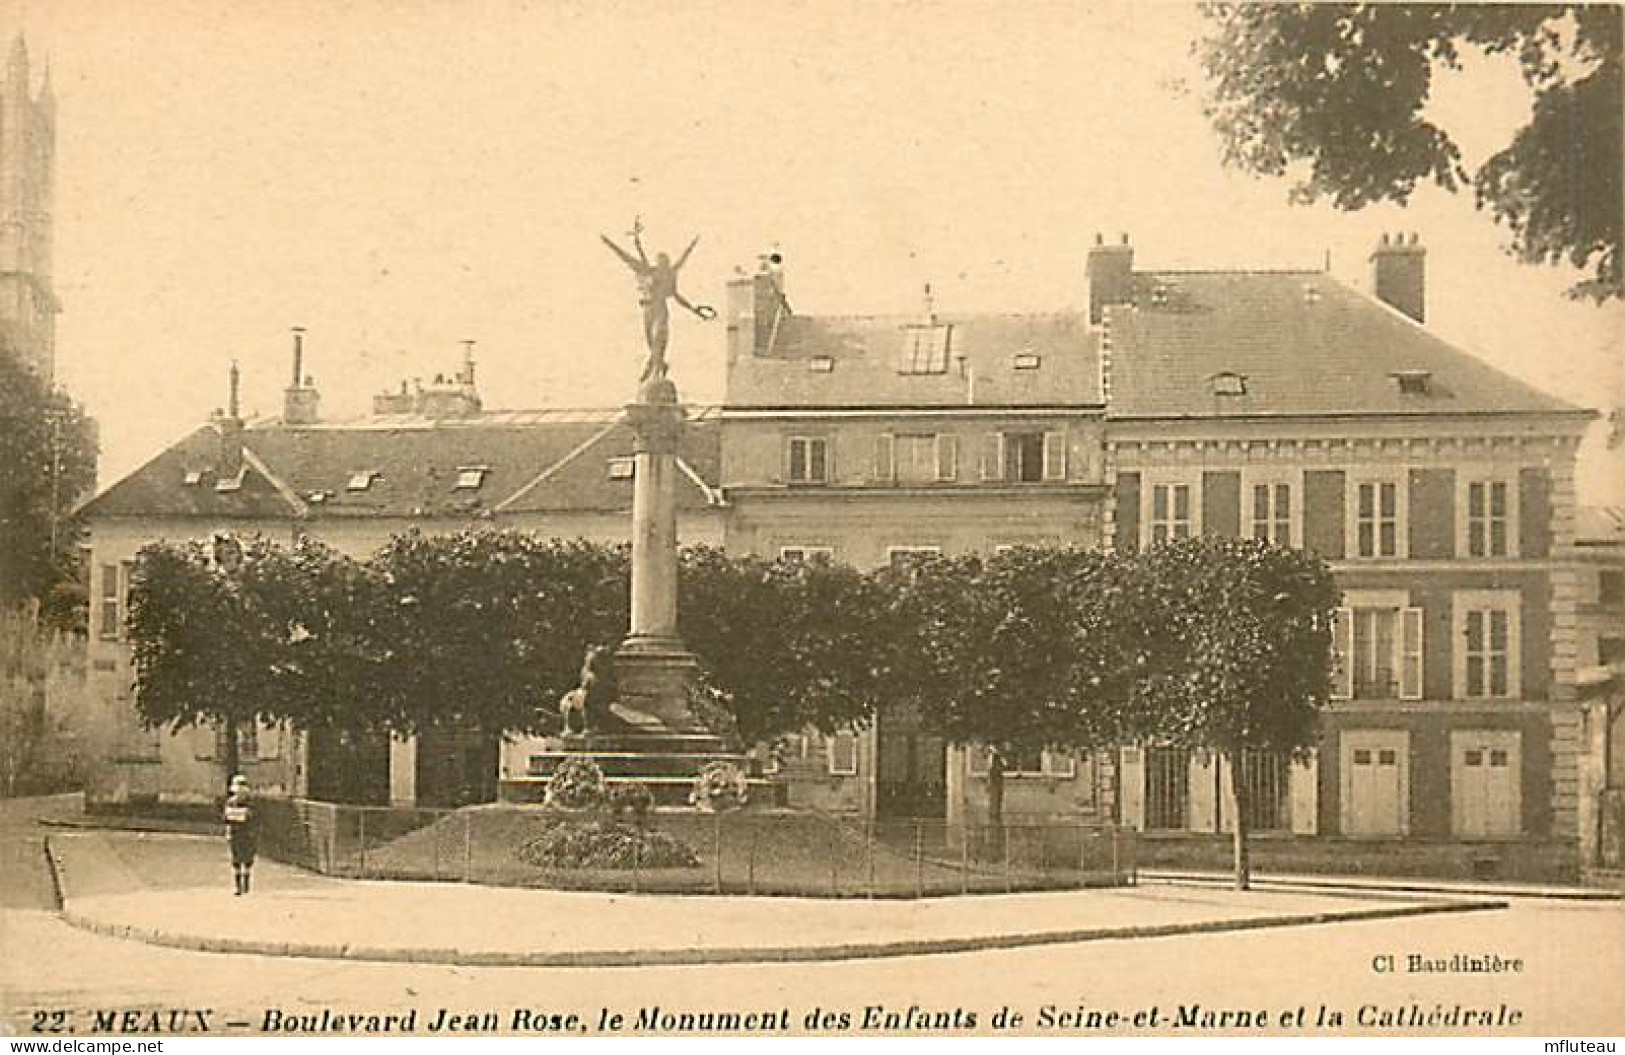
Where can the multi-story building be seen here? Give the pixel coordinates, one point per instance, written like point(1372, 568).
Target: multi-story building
point(1290, 407)
point(28, 303)
point(876, 439)
point(427, 458)
point(1283, 405)
point(1600, 549)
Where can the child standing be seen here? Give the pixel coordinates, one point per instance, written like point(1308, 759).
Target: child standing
point(242, 831)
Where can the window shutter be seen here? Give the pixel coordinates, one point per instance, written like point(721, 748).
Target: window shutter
point(270, 743)
point(947, 457)
point(976, 760)
point(1201, 792)
point(1055, 455)
point(885, 467)
point(1131, 788)
point(1410, 659)
point(993, 456)
point(1305, 796)
point(205, 741)
point(1343, 654)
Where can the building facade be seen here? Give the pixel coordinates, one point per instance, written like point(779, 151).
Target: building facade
point(428, 458)
point(28, 304)
point(1282, 405)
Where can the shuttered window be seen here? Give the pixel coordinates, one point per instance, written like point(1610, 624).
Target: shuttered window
point(1377, 652)
point(808, 460)
point(1170, 512)
point(1488, 640)
point(1488, 516)
point(1271, 513)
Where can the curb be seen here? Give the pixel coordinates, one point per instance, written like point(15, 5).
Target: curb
point(147, 828)
point(1357, 885)
point(729, 955)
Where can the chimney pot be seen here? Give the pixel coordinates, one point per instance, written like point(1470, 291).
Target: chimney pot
point(1399, 274)
point(1124, 237)
point(1110, 275)
point(1100, 239)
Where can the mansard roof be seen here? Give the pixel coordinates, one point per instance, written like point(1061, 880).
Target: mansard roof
point(987, 360)
point(1304, 344)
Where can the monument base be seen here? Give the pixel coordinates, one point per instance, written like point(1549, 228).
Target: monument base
point(653, 677)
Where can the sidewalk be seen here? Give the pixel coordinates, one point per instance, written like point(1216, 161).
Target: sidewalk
point(1387, 884)
point(174, 890)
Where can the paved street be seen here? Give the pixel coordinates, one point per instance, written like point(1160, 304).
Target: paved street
point(1572, 953)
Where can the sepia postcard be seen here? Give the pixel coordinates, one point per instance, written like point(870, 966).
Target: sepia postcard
point(917, 518)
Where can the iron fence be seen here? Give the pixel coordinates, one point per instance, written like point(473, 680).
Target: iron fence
point(686, 851)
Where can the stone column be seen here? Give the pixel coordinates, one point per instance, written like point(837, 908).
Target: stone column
point(653, 670)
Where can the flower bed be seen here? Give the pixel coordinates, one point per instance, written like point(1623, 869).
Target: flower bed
point(585, 843)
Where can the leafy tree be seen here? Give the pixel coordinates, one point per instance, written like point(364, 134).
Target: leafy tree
point(1238, 638)
point(1011, 653)
point(1342, 89)
point(48, 453)
point(233, 633)
point(487, 629)
point(784, 645)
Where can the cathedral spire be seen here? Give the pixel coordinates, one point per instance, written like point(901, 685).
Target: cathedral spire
point(17, 64)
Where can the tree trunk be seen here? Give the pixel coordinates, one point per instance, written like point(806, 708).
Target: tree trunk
point(1238, 801)
point(995, 802)
point(229, 757)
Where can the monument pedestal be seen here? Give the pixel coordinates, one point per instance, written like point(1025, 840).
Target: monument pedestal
point(653, 736)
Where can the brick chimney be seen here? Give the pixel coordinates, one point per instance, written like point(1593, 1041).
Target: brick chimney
point(230, 424)
point(1110, 272)
point(1399, 274)
point(757, 307)
point(301, 401)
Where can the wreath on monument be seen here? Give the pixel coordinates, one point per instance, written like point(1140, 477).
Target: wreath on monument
point(577, 784)
point(719, 786)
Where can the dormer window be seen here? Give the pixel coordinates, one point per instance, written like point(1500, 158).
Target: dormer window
point(821, 364)
point(470, 477)
point(316, 497)
point(1311, 293)
point(1413, 382)
point(1028, 361)
point(362, 480)
point(1159, 294)
point(227, 484)
point(621, 468)
point(925, 349)
point(193, 477)
point(1226, 383)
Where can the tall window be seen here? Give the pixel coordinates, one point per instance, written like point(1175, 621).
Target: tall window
point(1488, 520)
point(1024, 457)
point(915, 459)
point(1271, 510)
point(1378, 643)
point(1170, 512)
point(809, 460)
point(1487, 635)
point(1377, 518)
point(112, 602)
point(842, 751)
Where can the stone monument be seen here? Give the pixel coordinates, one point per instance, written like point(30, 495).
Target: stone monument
point(654, 671)
point(648, 733)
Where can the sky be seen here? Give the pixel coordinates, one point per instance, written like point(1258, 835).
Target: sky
point(398, 177)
